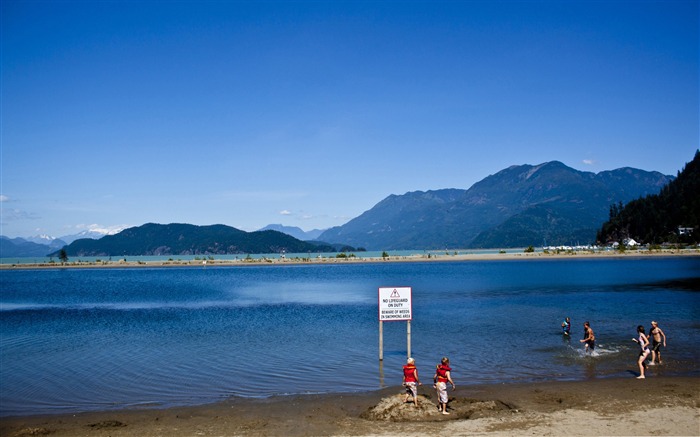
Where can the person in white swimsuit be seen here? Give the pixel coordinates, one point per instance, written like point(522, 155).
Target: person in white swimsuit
point(644, 350)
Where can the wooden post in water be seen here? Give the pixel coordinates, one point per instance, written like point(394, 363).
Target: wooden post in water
point(381, 374)
point(408, 338)
point(381, 340)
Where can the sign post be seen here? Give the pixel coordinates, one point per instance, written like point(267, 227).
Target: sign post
point(394, 305)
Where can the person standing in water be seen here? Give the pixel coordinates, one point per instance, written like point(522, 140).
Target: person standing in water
point(656, 335)
point(588, 337)
point(442, 377)
point(644, 351)
point(411, 381)
point(566, 326)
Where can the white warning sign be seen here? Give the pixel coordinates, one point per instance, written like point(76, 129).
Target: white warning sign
point(394, 304)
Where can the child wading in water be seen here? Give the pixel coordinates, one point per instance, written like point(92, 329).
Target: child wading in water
point(644, 352)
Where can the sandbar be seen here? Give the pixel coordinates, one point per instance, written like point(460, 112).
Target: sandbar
point(447, 256)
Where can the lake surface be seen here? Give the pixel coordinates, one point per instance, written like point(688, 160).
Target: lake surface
point(95, 339)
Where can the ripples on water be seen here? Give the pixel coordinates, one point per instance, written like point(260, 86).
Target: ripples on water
point(76, 340)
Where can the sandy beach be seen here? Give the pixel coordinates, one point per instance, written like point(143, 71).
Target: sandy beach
point(448, 256)
point(613, 407)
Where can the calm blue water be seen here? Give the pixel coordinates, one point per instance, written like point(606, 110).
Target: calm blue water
point(82, 339)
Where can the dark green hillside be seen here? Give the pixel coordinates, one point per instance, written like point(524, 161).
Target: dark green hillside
point(541, 225)
point(185, 239)
point(656, 219)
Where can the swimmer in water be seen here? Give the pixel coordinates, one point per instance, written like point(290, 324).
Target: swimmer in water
point(588, 337)
point(566, 326)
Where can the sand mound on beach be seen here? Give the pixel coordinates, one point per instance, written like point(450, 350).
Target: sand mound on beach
point(601, 407)
point(393, 409)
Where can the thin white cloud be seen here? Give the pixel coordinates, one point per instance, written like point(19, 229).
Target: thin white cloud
point(18, 214)
point(285, 212)
point(589, 161)
point(4, 198)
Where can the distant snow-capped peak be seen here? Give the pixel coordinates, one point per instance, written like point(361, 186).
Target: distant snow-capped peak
point(94, 232)
point(41, 239)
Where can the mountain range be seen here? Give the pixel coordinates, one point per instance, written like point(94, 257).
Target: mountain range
point(295, 232)
point(28, 247)
point(185, 239)
point(546, 204)
point(40, 245)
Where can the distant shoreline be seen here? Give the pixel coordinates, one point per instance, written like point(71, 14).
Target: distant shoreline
point(122, 263)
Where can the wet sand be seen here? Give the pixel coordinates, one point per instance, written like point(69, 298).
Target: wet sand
point(617, 407)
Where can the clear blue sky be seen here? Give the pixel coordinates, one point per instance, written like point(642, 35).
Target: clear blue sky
point(309, 113)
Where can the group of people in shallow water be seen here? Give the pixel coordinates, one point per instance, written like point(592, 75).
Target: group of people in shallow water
point(443, 375)
point(656, 338)
point(440, 379)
